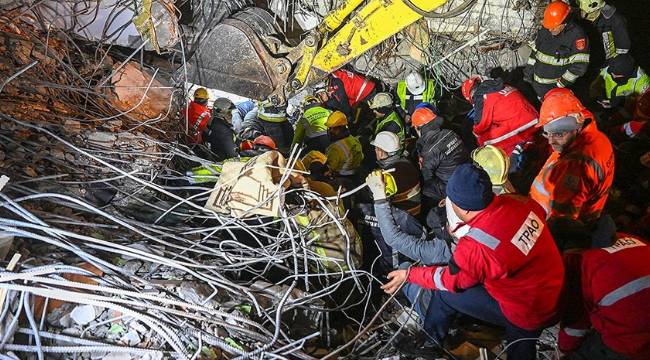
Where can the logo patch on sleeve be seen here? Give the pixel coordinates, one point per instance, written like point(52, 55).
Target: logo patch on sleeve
point(581, 44)
point(528, 233)
point(624, 243)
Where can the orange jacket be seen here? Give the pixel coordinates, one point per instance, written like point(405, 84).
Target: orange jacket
point(574, 184)
point(197, 119)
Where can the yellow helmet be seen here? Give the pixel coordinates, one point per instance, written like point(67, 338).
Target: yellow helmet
point(314, 156)
point(494, 161)
point(201, 94)
point(335, 119)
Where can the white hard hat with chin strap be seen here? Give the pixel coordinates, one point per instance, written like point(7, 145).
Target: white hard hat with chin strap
point(387, 141)
point(415, 83)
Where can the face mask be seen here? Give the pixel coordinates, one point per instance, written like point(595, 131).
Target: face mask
point(453, 221)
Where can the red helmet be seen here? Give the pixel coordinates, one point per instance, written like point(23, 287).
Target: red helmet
point(265, 141)
point(561, 102)
point(466, 89)
point(555, 14)
point(422, 116)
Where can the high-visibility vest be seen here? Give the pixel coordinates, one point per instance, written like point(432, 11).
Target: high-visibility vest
point(392, 117)
point(315, 119)
point(345, 156)
point(632, 88)
point(426, 96)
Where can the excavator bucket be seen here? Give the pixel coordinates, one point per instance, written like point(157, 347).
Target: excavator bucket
point(233, 58)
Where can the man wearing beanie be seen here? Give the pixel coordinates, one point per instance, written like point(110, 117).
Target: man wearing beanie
point(623, 80)
point(506, 270)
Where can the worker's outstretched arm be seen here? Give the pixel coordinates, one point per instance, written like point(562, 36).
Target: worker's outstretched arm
point(575, 323)
point(433, 251)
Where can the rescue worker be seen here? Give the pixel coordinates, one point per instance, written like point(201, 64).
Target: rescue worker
point(608, 292)
point(497, 165)
point(271, 121)
point(561, 51)
point(574, 183)
point(502, 116)
point(344, 154)
point(412, 91)
point(406, 175)
point(386, 116)
point(259, 146)
point(311, 128)
point(611, 27)
point(624, 81)
point(198, 116)
point(508, 273)
point(220, 134)
point(439, 151)
point(345, 90)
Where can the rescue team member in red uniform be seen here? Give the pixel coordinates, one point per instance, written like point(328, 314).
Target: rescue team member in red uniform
point(607, 317)
point(573, 184)
point(561, 51)
point(502, 116)
point(198, 116)
point(506, 270)
point(345, 91)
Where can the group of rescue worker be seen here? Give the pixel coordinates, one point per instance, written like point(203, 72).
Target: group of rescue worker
point(510, 223)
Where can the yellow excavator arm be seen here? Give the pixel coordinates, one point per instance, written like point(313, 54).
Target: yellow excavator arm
point(375, 22)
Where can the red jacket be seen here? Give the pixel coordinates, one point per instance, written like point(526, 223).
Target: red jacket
point(197, 120)
point(509, 250)
point(507, 119)
point(356, 87)
point(611, 294)
point(575, 184)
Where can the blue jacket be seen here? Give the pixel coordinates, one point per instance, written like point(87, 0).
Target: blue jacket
point(428, 251)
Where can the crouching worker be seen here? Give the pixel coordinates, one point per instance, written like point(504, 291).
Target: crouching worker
point(506, 270)
point(402, 234)
point(608, 289)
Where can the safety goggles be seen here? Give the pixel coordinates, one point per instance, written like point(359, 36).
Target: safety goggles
point(555, 135)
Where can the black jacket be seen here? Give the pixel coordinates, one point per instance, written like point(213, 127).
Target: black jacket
point(612, 28)
point(562, 58)
point(440, 151)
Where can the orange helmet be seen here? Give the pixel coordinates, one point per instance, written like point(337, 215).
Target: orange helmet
point(265, 141)
point(422, 116)
point(555, 14)
point(466, 89)
point(642, 107)
point(561, 102)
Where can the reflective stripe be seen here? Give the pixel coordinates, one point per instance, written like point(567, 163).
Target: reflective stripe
point(575, 332)
point(437, 279)
point(591, 162)
point(407, 194)
point(513, 132)
point(363, 87)
point(622, 51)
point(484, 238)
point(626, 290)
point(558, 61)
point(541, 80)
point(569, 76)
point(540, 188)
point(348, 159)
point(198, 122)
point(426, 96)
point(531, 60)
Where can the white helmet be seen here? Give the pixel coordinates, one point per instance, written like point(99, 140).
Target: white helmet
point(387, 141)
point(415, 83)
point(381, 100)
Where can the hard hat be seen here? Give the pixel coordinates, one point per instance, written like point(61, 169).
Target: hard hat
point(422, 116)
point(381, 100)
point(642, 107)
point(222, 104)
point(271, 113)
point(555, 14)
point(468, 84)
point(415, 83)
point(264, 140)
point(387, 141)
point(335, 119)
point(559, 103)
point(494, 161)
point(427, 105)
point(201, 94)
point(314, 156)
point(589, 6)
point(308, 100)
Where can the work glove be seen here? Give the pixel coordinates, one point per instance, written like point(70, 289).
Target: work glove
point(375, 182)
